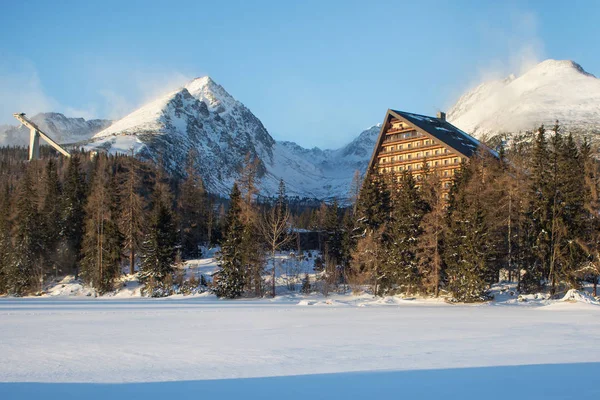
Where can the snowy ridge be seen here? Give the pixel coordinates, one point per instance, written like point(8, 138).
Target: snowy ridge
point(203, 116)
point(62, 129)
point(553, 89)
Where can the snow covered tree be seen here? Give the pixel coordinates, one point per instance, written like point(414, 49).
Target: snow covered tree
point(231, 279)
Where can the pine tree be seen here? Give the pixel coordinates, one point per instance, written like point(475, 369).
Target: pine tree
point(192, 210)
point(5, 239)
point(430, 244)
point(101, 247)
point(51, 215)
point(373, 207)
point(231, 279)
point(131, 216)
point(74, 196)
point(159, 246)
point(400, 269)
point(538, 216)
point(27, 244)
point(468, 244)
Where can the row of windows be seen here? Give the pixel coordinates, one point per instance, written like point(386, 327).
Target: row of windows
point(447, 161)
point(400, 136)
point(399, 147)
point(415, 167)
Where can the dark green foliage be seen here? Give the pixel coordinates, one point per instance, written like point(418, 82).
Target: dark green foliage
point(159, 247)
point(469, 248)
point(231, 277)
point(102, 242)
point(192, 210)
point(74, 197)
point(373, 207)
point(5, 240)
point(25, 268)
point(400, 269)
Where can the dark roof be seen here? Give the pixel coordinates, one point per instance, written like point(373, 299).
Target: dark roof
point(443, 131)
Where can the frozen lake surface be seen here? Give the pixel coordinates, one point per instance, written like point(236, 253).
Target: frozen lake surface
point(295, 347)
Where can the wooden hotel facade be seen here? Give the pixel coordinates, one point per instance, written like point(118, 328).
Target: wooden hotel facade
point(409, 141)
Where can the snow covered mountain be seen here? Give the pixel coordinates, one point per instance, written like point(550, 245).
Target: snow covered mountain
point(204, 117)
point(553, 89)
point(59, 127)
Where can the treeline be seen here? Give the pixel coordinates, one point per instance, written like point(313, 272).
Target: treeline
point(92, 215)
point(530, 212)
point(97, 216)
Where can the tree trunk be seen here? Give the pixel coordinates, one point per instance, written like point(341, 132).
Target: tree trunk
point(132, 261)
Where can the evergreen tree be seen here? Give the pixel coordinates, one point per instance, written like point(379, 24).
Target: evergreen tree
point(400, 270)
point(131, 216)
point(51, 215)
point(373, 205)
point(74, 196)
point(101, 247)
point(5, 239)
point(27, 244)
point(468, 249)
point(192, 213)
point(231, 279)
point(159, 246)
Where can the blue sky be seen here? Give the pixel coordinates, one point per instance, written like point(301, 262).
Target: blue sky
point(315, 72)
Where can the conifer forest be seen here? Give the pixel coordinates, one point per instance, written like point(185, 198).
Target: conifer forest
point(527, 212)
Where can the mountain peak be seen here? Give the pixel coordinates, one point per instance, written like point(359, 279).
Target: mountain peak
point(551, 90)
point(214, 95)
point(551, 66)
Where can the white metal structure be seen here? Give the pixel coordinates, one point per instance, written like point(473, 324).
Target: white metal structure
point(34, 138)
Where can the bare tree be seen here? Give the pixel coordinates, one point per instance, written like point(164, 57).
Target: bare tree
point(274, 229)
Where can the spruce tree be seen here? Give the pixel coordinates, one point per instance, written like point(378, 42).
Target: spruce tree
point(51, 215)
point(159, 247)
point(25, 266)
point(231, 279)
point(101, 247)
point(192, 210)
point(5, 239)
point(468, 248)
point(74, 195)
point(403, 231)
point(131, 217)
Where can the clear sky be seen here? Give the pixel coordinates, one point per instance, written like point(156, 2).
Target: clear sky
point(315, 72)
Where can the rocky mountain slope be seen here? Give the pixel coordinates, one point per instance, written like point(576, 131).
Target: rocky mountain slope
point(59, 127)
point(553, 89)
point(202, 116)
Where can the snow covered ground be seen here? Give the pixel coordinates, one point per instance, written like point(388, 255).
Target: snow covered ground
point(296, 347)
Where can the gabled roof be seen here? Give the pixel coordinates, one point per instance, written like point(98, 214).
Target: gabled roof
point(436, 128)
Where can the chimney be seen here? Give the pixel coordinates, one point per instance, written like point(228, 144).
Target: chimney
point(441, 115)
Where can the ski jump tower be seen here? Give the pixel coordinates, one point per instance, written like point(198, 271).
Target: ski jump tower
point(34, 138)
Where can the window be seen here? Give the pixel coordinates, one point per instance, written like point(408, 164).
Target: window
point(401, 168)
point(445, 173)
point(409, 156)
point(436, 163)
point(456, 161)
point(426, 154)
point(400, 158)
point(400, 147)
point(446, 162)
point(392, 159)
point(392, 148)
point(409, 167)
point(437, 152)
point(445, 151)
point(426, 142)
point(409, 145)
